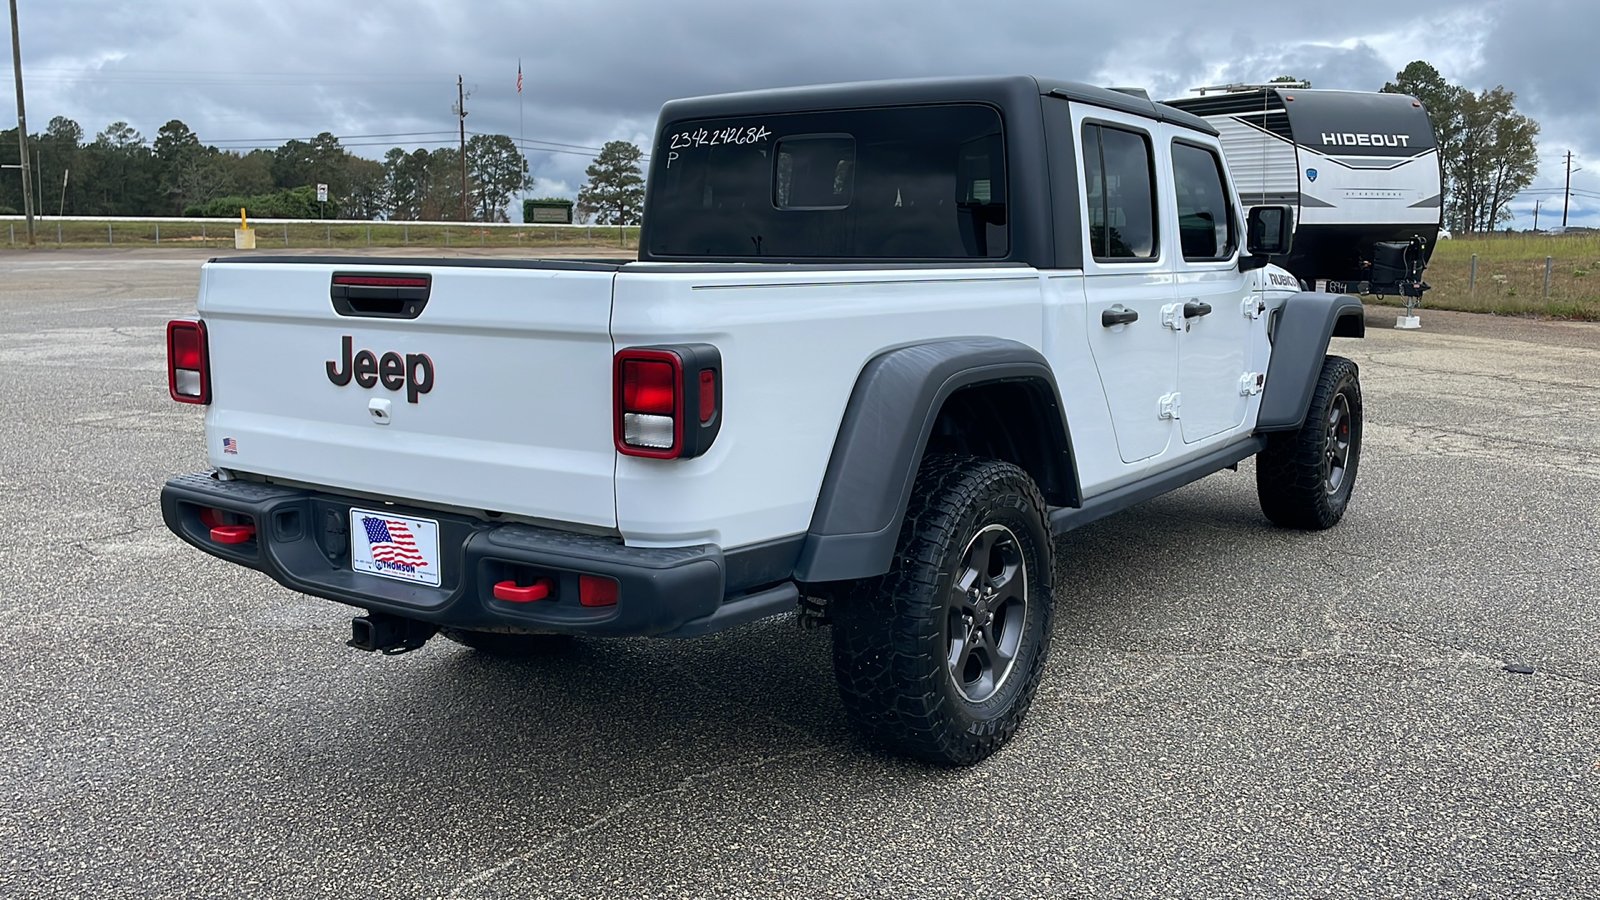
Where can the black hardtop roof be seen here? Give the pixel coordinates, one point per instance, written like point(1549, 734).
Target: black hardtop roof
point(1002, 90)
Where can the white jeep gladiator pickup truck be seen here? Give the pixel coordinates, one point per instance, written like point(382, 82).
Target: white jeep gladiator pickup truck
point(880, 342)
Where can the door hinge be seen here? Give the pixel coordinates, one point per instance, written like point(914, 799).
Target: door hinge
point(1250, 383)
point(1172, 317)
point(1253, 307)
point(1170, 404)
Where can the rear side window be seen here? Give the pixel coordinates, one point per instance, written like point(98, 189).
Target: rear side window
point(1206, 225)
point(1119, 177)
point(922, 182)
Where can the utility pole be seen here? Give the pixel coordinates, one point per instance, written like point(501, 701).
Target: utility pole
point(22, 124)
point(1564, 202)
point(461, 113)
point(1536, 215)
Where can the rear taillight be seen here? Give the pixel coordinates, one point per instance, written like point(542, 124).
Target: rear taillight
point(668, 400)
point(188, 361)
point(649, 403)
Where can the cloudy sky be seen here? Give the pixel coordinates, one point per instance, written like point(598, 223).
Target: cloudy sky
point(249, 73)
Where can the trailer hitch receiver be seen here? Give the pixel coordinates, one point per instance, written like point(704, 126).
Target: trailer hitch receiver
point(391, 635)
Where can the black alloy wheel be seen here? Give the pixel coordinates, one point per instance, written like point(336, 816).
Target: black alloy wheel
point(1337, 443)
point(987, 614)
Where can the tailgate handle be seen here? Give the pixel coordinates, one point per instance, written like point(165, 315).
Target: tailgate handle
point(380, 295)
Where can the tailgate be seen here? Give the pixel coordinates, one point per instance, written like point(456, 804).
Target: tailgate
point(496, 396)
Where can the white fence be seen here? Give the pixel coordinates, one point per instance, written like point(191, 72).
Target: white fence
point(227, 221)
point(143, 230)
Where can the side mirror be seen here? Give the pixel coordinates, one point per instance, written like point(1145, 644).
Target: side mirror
point(1271, 231)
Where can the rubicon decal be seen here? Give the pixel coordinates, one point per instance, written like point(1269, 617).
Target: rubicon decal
point(414, 371)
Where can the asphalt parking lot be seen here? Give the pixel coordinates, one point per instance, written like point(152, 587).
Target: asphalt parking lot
point(1230, 709)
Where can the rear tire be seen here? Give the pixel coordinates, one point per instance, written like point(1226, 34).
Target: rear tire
point(507, 645)
point(1304, 478)
point(939, 659)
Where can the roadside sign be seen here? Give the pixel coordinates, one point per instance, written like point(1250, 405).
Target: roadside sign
point(322, 193)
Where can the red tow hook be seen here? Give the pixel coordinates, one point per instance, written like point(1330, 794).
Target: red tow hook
point(510, 592)
point(233, 534)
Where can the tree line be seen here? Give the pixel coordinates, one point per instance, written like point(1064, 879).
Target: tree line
point(1488, 153)
point(120, 173)
point(1487, 150)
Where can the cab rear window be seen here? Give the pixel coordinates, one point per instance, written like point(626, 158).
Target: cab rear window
point(924, 182)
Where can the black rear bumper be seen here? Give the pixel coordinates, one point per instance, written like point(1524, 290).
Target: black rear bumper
point(302, 541)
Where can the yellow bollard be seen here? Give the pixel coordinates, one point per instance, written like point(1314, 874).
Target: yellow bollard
point(243, 237)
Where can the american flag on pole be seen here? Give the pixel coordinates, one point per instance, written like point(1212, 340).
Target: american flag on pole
point(519, 76)
point(392, 542)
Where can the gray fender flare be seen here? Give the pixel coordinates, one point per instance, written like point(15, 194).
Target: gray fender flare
point(885, 428)
point(1305, 323)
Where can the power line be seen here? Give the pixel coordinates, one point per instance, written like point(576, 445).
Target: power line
point(553, 143)
point(439, 141)
point(577, 149)
point(1558, 191)
point(338, 137)
point(180, 76)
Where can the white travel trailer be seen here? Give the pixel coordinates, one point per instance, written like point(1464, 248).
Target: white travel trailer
point(1361, 170)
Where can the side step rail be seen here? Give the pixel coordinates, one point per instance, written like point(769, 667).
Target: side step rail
point(1066, 518)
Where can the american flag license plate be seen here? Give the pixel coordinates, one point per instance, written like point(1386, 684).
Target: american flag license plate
point(394, 546)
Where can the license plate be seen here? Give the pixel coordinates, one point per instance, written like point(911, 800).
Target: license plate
point(394, 546)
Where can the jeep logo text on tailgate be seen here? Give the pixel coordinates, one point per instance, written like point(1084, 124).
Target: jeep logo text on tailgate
point(414, 372)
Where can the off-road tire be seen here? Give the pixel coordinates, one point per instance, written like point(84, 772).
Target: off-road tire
point(905, 681)
point(508, 645)
point(1304, 477)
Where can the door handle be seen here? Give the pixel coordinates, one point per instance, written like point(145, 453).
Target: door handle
point(1194, 309)
point(1116, 315)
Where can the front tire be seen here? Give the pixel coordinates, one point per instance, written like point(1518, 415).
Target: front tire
point(1304, 478)
point(939, 659)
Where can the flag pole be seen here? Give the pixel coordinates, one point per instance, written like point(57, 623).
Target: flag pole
point(521, 146)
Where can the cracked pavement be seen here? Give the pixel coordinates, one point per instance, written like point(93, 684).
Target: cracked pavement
point(1230, 710)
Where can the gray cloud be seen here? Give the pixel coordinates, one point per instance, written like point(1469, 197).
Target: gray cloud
point(1543, 50)
point(265, 71)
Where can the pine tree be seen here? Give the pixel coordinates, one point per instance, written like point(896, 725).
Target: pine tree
point(615, 192)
